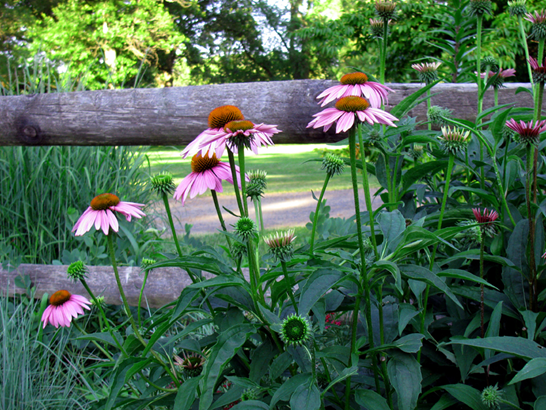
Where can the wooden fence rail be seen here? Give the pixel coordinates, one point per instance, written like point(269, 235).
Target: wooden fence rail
point(174, 116)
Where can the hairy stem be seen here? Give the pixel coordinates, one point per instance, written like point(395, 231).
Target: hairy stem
point(315, 219)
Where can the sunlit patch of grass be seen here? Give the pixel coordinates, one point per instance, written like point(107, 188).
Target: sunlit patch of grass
point(287, 167)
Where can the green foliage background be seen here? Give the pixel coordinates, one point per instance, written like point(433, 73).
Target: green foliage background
point(120, 44)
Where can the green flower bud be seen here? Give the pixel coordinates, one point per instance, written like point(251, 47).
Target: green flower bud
point(490, 62)
point(385, 10)
point(454, 141)
point(257, 184)
point(437, 115)
point(491, 397)
point(517, 8)
point(163, 183)
point(376, 27)
point(280, 244)
point(480, 7)
point(296, 330)
point(146, 263)
point(245, 228)
point(333, 164)
point(252, 393)
point(77, 271)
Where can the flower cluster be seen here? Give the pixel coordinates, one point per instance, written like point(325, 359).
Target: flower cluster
point(480, 7)
point(528, 132)
point(499, 76)
point(517, 8)
point(454, 141)
point(487, 220)
point(281, 244)
point(539, 70)
point(428, 72)
point(331, 319)
point(538, 29)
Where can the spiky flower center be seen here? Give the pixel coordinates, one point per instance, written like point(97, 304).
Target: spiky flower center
point(76, 270)
point(517, 8)
point(220, 116)
point(454, 140)
point(59, 297)
point(354, 78)
point(352, 104)
point(480, 7)
point(491, 397)
point(104, 201)
point(295, 330)
point(163, 183)
point(333, 164)
point(245, 227)
point(385, 9)
point(203, 163)
point(489, 62)
point(238, 125)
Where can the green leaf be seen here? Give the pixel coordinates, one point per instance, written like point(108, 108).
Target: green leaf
point(187, 296)
point(419, 171)
point(371, 400)
point(423, 274)
point(306, 397)
point(406, 312)
point(534, 368)
point(404, 106)
point(393, 269)
point(287, 388)
point(250, 405)
point(205, 264)
point(462, 274)
point(260, 358)
point(229, 342)
point(540, 403)
point(517, 346)
point(392, 224)
point(104, 337)
point(279, 365)
point(347, 372)
point(530, 319)
point(317, 285)
point(444, 402)
point(186, 394)
point(405, 376)
point(467, 395)
point(119, 379)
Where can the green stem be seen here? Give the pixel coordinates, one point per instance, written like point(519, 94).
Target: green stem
point(235, 181)
point(382, 341)
point(99, 306)
point(315, 219)
point(367, 194)
point(261, 214)
point(257, 214)
point(480, 87)
point(363, 274)
point(525, 47)
point(83, 332)
point(384, 51)
point(146, 271)
point(482, 296)
point(289, 285)
point(496, 96)
point(219, 213)
point(241, 151)
point(170, 217)
point(429, 104)
point(390, 182)
point(128, 309)
point(450, 165)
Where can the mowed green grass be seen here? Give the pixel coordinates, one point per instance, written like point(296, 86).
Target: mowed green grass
point(290, 168)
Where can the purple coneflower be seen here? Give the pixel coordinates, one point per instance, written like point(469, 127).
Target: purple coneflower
point(63, 307)
point(428, 72)
point(502, 74)
point(344, 114)
point(539, 71)
point(207, 173)
point(100, 213)
point(485, 217)
point(218, 118)
point(528, 132)
point(356, 84)
point(538, 30)
point(235, 134)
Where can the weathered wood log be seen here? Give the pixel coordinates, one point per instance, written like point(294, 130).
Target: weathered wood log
point(175, 116)
point(163, 285)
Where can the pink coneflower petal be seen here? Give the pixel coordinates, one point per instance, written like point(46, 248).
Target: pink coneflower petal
point(100, 214)
point(207, 173)
point(63, 308)
point(356, 84)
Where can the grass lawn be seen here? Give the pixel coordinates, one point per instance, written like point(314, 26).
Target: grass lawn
point(286, 167)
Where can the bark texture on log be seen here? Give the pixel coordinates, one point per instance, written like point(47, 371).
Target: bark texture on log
point(175, 116)
point(163, 285)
